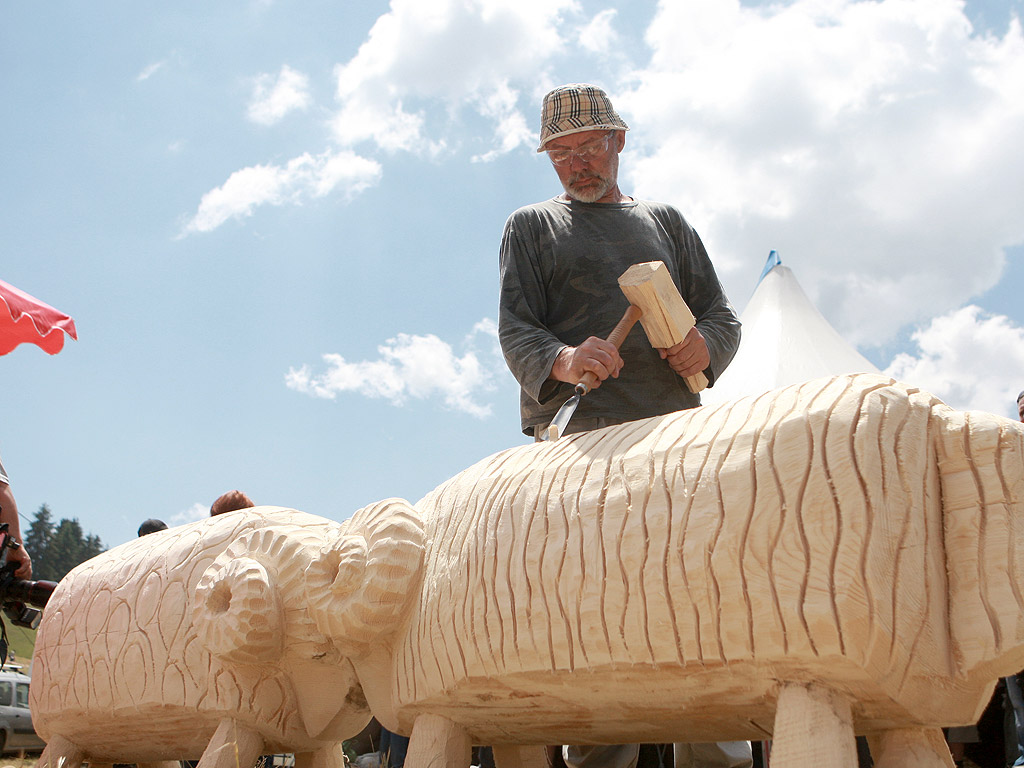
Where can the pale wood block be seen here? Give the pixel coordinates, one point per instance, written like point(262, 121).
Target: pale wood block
point(233, 746)
point(910, 748)
point(437, 742)
point(61, 753)
point(332, 756)
point(813, 728)
point(666, 318)
point(512, 756)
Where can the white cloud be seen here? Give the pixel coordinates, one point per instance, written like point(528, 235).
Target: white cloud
point(425, 58)
point(390, 127)
point(413, 366)
point(273, 99)
point(301, 178)
point(149, 71)
point(598, 36)
point(422, 69)
point(510, 129)
point(970, 359)
point(196, 512)
point(872, 143)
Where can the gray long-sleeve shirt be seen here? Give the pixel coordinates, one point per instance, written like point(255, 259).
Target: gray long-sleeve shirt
point(560, 263)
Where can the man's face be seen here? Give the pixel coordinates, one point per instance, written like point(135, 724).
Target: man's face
point(587, 164)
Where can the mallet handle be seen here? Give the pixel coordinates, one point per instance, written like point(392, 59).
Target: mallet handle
point(616, 337)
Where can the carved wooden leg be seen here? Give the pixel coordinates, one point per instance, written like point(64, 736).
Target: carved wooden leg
point(233, 746)
point(515, 756)
point(910, 748)
point(813, 728)
point(61, 753)
point(328, 757)
point(437, 742)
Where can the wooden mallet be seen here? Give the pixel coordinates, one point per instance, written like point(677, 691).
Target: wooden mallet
point(666, 318)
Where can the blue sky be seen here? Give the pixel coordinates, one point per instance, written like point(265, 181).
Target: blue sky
point(276, 225)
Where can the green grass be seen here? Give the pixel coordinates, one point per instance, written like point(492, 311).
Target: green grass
point(21, 642)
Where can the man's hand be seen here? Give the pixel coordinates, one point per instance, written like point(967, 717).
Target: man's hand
point(20, 556)
point(9, 515)
point(596, 355)
point(690, 356)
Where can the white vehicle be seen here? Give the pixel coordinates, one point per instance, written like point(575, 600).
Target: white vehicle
point(16, 730)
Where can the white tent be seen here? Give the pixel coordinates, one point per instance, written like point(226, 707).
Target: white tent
point(785, 340)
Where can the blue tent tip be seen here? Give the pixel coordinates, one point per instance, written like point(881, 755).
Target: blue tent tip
point(772, 262)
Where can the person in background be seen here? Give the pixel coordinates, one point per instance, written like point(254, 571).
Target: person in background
point(229, 502)
point(152, 526)
point(9, 515)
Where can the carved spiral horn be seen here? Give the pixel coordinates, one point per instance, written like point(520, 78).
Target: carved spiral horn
point(360, 585)
point(237, 612)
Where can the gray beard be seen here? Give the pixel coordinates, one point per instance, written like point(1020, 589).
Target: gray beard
point(589, 194)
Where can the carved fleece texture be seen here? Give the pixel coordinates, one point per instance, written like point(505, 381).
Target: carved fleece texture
point(801, 525)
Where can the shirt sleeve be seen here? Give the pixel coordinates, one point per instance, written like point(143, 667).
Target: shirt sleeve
point(529, 347)
point(704, 295)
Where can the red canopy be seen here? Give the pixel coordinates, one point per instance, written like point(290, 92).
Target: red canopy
point(25, 319)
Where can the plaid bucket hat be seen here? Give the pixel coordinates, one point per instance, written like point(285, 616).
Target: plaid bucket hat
point(574, 108)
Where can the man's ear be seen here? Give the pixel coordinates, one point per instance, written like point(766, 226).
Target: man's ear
point(620, 140)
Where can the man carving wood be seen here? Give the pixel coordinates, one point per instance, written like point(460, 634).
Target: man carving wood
point(560, 261)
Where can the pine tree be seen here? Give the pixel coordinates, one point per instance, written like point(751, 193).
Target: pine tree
point(91, 547)
point(65, 550)
point(56, 549)
point(37, 542)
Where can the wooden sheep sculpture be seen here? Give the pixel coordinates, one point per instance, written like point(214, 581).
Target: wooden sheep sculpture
point(833, 557)
point(197, 638)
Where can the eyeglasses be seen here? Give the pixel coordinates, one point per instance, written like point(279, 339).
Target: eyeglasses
point(585, 152)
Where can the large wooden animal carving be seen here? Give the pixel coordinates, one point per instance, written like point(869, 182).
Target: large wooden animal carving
point(834, 557)
point(197, 639)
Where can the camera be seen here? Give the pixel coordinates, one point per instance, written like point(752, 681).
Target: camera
point(20, 599)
